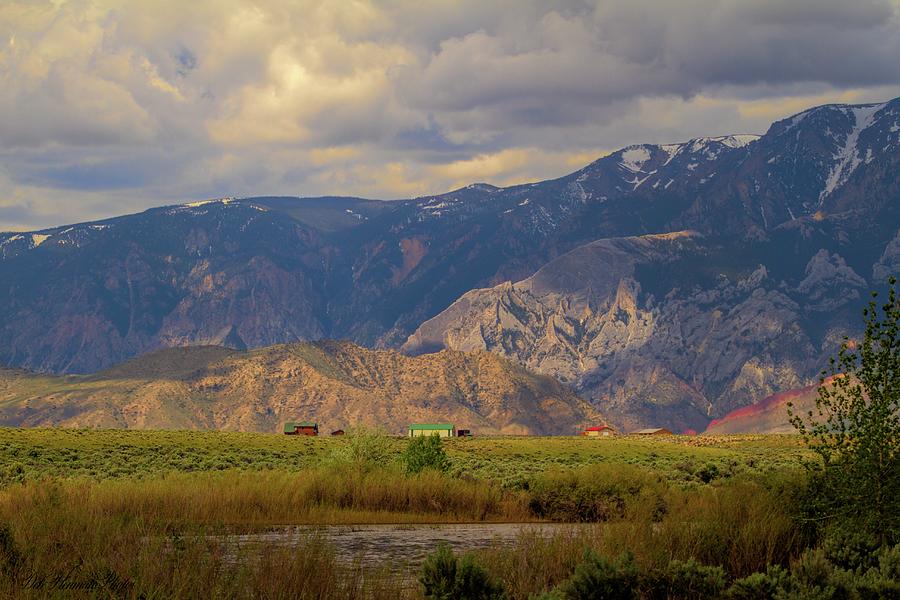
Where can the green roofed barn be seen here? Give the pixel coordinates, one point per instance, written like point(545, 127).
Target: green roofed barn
point(439, 429)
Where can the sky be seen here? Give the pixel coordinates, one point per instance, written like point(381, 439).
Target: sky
point(112, 106)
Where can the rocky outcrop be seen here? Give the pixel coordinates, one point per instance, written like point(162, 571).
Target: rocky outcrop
point(889, 263)
point(644, 341)
point(335, 384)
point(829, 283)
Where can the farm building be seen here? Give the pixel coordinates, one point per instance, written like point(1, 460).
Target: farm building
point(337, 432)
point(438, 429)
point(463, 433)
point(652, 431)
point(599, 431)
point(301, 428)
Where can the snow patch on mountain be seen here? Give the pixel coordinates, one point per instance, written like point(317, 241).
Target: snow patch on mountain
point(712, 147)
point(226, 200)
point(671, 150)
point(739, 140)
point(634, 158)
point(10, 240)
point(847, 158)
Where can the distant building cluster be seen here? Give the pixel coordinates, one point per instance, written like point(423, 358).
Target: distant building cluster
point(448, 430)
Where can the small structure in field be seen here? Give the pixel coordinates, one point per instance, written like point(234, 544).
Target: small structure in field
point(337, 432)
point(652, 431)
point(438, 429)
point(599, 431)
point(301, 428)
point(463, 433)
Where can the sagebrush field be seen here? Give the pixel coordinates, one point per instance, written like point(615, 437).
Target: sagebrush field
point(28, 454)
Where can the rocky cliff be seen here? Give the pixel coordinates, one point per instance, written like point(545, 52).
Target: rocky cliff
point(671, 330)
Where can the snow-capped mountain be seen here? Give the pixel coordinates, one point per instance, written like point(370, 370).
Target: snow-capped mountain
point(813, 201)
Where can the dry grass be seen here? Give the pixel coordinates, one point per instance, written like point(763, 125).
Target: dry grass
point(161, 536)
point(252, 500)
point(742, 525)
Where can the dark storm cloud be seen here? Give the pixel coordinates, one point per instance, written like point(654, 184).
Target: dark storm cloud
point(560, 69)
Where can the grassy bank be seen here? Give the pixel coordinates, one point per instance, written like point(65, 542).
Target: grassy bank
point(27, 454)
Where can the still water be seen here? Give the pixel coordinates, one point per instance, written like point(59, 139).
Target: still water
point(375, 545)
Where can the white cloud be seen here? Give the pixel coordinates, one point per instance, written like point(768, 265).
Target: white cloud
point(115, 105)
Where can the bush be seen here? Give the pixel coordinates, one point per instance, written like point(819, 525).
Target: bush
point(364, 450)
point(444, 577)
point(425, 452)
point(760, 586)
point(598, 578)
point(853, 551)
point(688, 580)
point(813, 575)
point(596, 494)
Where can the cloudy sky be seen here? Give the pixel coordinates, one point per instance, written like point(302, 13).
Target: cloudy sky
point(108, 107)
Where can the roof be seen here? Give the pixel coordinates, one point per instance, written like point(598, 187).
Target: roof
point(650, 430)
point(290, 426)
point(429, 426)
point(598, 428)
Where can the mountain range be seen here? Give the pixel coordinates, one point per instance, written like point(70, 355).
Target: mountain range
point(666, 284)
point(336, 384)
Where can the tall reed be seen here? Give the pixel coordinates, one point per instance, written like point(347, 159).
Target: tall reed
point(241, 499)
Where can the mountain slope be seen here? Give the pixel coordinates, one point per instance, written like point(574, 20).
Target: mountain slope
point(670, 330)
point(336, 384)
point(768, 415)
point(810, 207)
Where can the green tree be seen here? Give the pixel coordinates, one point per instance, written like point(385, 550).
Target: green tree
point(855, 428)
point(425, 452)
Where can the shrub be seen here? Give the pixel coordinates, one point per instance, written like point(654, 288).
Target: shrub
point(760, 586)
point(595, 494)
point(445, 577)
point(598, 578)
point(688, 580)
point(425, 452)
point(709, 472)
point(364, 450)
point(853, 551)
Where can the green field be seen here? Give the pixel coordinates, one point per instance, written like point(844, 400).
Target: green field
point(29, 454)
point(161, 514)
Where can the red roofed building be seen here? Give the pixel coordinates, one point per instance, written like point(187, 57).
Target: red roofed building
point(599, 431)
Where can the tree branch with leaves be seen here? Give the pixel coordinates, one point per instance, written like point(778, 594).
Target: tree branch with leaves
point(855, 427)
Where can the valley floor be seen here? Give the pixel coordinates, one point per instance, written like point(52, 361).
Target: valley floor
point(172, 514)
point(27, 454)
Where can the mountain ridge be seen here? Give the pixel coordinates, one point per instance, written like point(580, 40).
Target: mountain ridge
point(337, 384)
point(266, 270)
